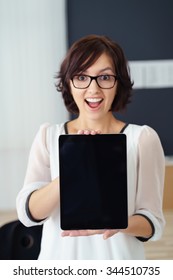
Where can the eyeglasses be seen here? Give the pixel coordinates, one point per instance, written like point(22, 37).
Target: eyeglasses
point(103, 81)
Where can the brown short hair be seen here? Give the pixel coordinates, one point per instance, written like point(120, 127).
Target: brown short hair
point(82, 54)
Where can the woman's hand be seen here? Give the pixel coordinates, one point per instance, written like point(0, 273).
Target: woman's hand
point(88, 132)
point(44, 200)
point(74, 233)
point(137, 226)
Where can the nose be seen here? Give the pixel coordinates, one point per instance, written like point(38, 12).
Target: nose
point(93, 87)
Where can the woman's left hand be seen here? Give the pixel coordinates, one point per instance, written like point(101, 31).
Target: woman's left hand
point(74, 233)
point(88, 131)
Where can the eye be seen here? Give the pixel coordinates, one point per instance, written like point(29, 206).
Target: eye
point(105, 77)
point(81, 78)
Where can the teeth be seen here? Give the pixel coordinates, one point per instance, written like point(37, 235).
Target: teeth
point(93, 100)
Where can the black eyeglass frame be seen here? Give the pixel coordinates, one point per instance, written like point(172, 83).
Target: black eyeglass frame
point(95, 78)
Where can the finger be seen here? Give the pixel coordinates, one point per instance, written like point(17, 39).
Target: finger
point(80, 131)
point(83, 131)
point(64, 233)
point(93, 132)
point(75, 233)
point(86, 132)
point(109, 233)
point(95, 231)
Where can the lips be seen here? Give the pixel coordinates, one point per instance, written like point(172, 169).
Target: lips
point(93, 102)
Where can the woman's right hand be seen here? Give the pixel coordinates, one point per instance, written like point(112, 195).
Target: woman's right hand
point(43, 201)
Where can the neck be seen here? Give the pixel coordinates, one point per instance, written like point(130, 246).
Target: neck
point(106, 125)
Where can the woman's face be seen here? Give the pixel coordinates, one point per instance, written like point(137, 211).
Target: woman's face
point(94, 102)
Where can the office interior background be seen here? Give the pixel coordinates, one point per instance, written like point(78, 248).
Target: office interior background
point(35, 35)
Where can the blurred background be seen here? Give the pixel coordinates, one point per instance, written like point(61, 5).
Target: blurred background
point(34, 37)
point(33, 42)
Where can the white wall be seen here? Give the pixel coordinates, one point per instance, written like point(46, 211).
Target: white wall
point(32, 45)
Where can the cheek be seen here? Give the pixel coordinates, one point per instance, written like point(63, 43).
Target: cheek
point(77, 97)
point(110, 100)
point(112, 97)
point(72, 91)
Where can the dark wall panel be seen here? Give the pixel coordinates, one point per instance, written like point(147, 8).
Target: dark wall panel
point(148, 107)
point(143, 29)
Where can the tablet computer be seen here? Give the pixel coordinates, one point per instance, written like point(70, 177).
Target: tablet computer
point(93, 181)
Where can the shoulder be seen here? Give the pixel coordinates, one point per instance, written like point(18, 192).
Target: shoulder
point(56, 128)
point(146, 138)
point(141, 130)
point(47, 128)
point(148, 133)
point(48, 131)
point(142, 135)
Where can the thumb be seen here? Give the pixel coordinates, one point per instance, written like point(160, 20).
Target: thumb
point(109, 233)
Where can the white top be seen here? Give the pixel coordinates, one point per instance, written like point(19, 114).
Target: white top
point(146, 167)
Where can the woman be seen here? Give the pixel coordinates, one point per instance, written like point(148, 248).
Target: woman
point(95, 83)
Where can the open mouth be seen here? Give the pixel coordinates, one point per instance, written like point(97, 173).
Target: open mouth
point(93, 102)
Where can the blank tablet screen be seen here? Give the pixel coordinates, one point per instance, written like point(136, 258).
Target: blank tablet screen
point(93, 181)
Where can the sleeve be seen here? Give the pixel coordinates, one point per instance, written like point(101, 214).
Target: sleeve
point(37, 174)
point(150, 181)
